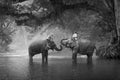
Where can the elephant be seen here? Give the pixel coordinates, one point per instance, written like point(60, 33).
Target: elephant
point(42, 46)
point(83, 47)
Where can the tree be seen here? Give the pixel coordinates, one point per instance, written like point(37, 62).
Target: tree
point(117, 18)
point(42, 11)
point(6, 32)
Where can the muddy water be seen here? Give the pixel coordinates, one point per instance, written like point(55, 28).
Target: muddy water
point(19, 68)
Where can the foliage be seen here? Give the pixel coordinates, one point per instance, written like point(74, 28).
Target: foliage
point(41, 11)
point(6, 31)
point(67, 14)
point(109, 51)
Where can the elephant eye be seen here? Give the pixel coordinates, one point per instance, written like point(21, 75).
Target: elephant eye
point(52, 44)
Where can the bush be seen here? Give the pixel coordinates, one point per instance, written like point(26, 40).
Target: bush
point(109, 52)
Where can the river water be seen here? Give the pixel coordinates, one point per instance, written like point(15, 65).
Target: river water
point(19, 68)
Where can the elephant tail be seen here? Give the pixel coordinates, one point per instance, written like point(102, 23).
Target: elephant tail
point(95, 49)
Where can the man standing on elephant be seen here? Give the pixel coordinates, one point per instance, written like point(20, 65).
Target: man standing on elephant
point(50, 37)
point(72, 39)
point(75, 38)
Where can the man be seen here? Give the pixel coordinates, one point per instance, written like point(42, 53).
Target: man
point(75, 36)
point(75, 39)
point(50, 37)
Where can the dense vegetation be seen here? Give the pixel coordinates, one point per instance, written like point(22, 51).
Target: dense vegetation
point(99, 15)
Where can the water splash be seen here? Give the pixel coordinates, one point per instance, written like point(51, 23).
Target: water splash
point(21, 41)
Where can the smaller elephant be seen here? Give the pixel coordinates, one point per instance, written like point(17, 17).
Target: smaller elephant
point(83, 47)
point(42, 46)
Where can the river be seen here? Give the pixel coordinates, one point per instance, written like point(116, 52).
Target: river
point(19, 68)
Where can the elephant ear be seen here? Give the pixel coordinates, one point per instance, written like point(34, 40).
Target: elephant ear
point(47, 47)
point(73, 44)
point(50, 45)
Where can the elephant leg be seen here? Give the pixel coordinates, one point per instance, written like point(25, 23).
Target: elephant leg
point(46, 57)
point(89, 59)
point(74, 56)
point(43, 56)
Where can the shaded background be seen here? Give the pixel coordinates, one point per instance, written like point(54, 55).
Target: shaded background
point(24, 21)
point(83, 22)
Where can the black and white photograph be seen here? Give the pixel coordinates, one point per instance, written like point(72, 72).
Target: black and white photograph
point(59, 39)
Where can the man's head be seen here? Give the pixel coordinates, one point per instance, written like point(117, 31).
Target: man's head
point(75, 33)
point(50, 37)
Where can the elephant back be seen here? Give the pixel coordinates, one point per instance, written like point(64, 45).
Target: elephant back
point(38, 46)
point(86, 46)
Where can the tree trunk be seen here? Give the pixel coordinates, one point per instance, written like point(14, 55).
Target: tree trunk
point(116, 8)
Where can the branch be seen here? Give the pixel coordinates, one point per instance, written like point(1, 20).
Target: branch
point(108, 4)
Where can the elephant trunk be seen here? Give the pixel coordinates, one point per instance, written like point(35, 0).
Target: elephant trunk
point(65, 43)
point(59, 49)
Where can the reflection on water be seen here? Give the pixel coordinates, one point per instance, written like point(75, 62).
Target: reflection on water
point(19, 68)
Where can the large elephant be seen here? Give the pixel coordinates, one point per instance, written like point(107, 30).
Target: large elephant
point(42, 46)
point(83, 47)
